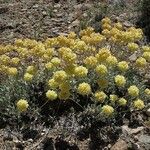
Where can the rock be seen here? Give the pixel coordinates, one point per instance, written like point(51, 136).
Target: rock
point(144, 139)
point(44, 13)
point(75, 23)
point(120, 145)
point(35, 6)
point(133, 57)
point(57, 6)
point(129, 131)
point(127, 24)
point(148, 112)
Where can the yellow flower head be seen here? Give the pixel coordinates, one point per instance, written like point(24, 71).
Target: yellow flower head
point(123, 66)
point(122, 102)
point(22, 105)
point(113, 98)
point(28, 77)
point(111, 61)
point(120, 80)
point(138, 104)
point(84, 89)
point(133, 91)
point(146, 55)
point(60, 76)
point(107, 110)
point(106, 20)
point(31, 70)
point(106, 26)
point(100, 96)
point(49, 66)
point(101, 70)
point(15, 61)
point(141, 62)
point(103, 54)
point(12, 71)
point(90, 61)
point(69, 57)
point(118, 25)
point(51, 95)
point(55, 61)
point(4, 59)
point(146, 48)
point(53, 84)
point(147, 91)
point(133, 47)
point(80, 71)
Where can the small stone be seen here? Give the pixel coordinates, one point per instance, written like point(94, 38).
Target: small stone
point(75, 23)
point(57, 6)
point(120, 145)
point(44, 13)
point(133, 57)
point(144, 139)
point(35, 6)
point(148, 112)
point(30, 140)
point(127, 24)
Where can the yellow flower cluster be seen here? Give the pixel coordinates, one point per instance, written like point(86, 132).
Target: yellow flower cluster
point(84, 89)
point(22, 105)
point(78, 63)
point(120, 80)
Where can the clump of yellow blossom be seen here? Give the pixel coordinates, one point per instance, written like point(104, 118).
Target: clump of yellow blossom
point(90, 61)
point(113, 98)
point(122, 102)
point(22, 105)
point(141, 62)
point(80, 71)
point(12, 71)
point(49, 66)
point(51, 95)
point(123, 66)
point(133, 47)
point(107, 110)
point(146, 55)
point(100, 96)
point(15, 61)
point(31, 70)
point(133, 91)
point(111, 60)
point(53, 84)
point(147, 91)
point(84, 88)
point(101, 70)
point(146, 48)
point(60, 76)
point(28, 77)
point(138, 104)
point(120, 80)
point(103, 54)
point(55, 61)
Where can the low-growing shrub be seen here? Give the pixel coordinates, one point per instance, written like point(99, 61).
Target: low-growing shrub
point(101, 73)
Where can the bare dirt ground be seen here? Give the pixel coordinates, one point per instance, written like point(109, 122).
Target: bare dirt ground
point(37, 19)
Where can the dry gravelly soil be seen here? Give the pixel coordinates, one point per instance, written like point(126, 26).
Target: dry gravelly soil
point(39, 20)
